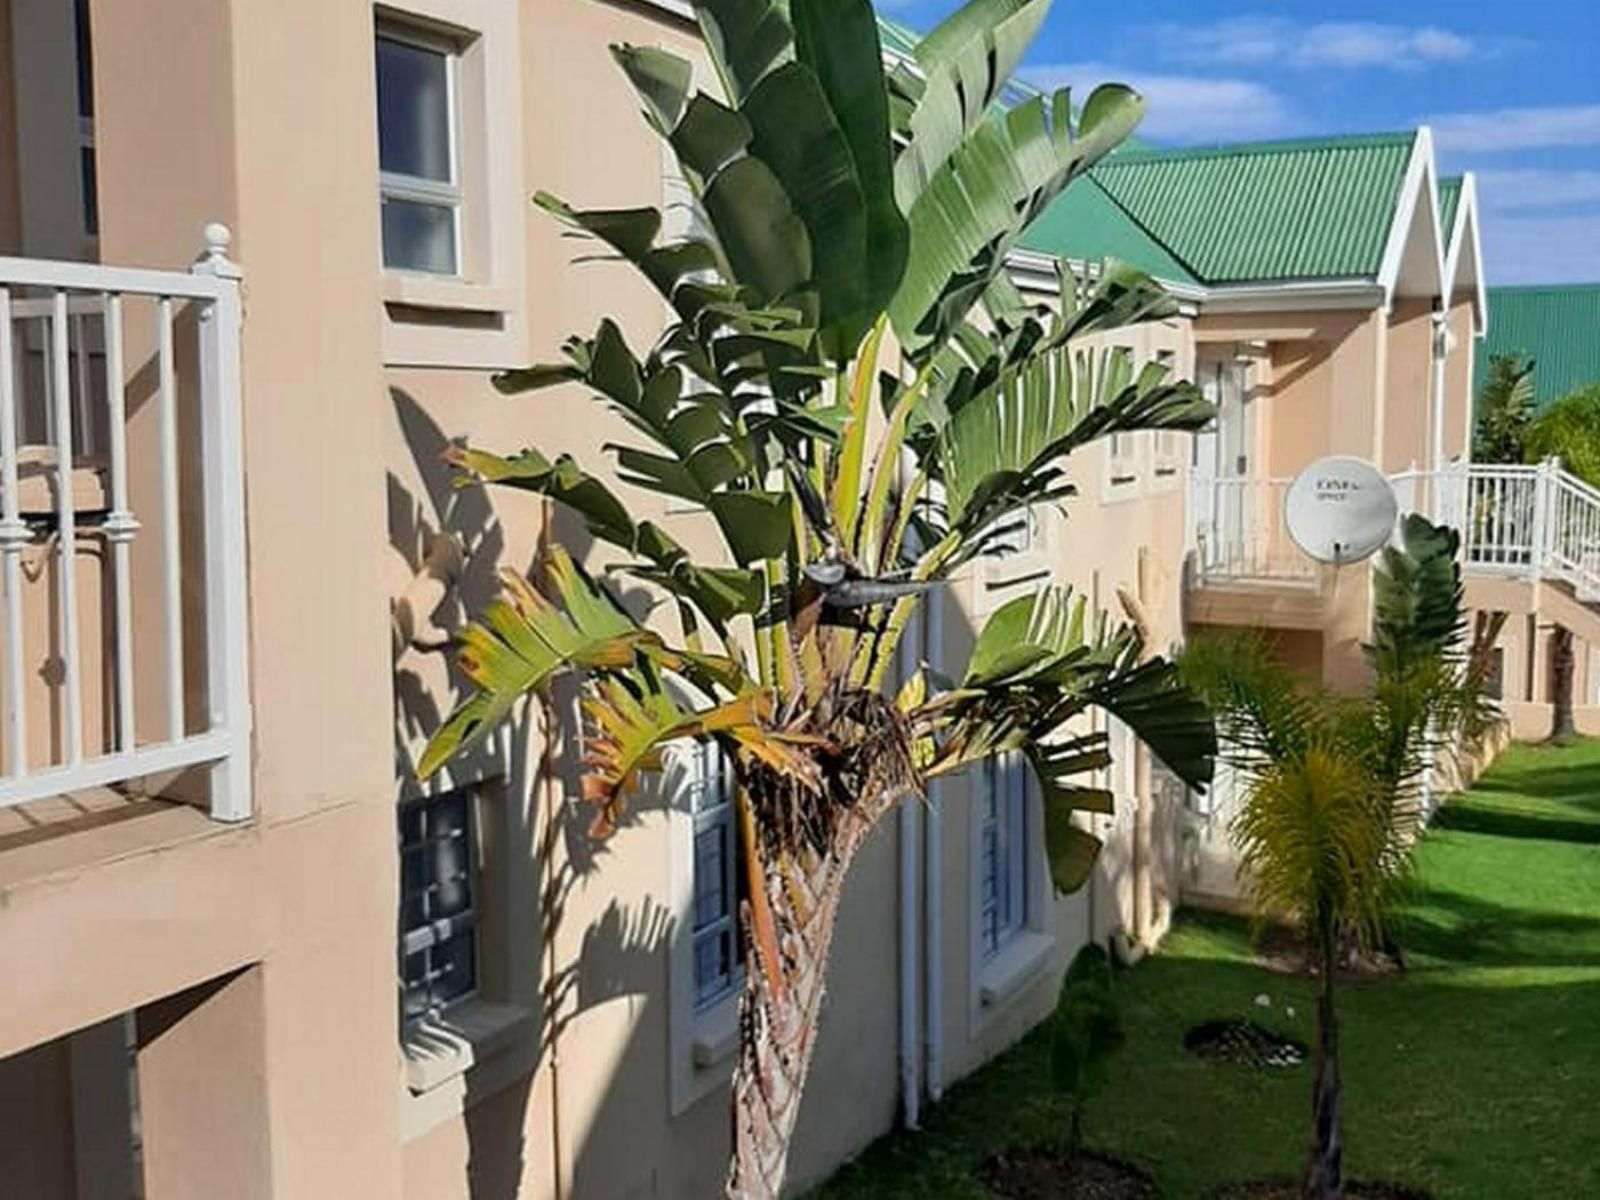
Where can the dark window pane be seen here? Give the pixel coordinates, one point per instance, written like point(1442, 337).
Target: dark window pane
point(413, 111)
point(418, 236)
point(453, 962)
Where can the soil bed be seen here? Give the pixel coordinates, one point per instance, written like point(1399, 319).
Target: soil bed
point(1244, 1042)
point(1044, 1173)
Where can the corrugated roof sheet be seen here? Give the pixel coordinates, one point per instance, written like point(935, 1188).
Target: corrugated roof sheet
point(1085, 223)
point(1449, 201)
point(1557, 326)
point(1267, 211)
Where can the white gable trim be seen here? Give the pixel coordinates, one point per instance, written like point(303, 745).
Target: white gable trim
point(1466, 238)
point(1421, 185)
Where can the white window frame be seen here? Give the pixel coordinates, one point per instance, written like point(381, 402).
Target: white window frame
point(715, 818)
point(703, 1032)
point(1002, 973)
point(485, 1039)
point(1167, 451)
point(392, 185)
point(476, 319)
point(1124, 454)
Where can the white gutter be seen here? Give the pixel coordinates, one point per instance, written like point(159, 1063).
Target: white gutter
point(932, 871)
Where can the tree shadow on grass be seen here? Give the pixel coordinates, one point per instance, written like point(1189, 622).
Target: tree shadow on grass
point(1509, 823)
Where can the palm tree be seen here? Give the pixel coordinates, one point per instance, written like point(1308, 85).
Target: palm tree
point(1331, 810)
point(1505, 407)
point(855, 228)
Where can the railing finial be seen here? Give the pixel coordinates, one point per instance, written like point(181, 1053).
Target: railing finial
point(215, 260)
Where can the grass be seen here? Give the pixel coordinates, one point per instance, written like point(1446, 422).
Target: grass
point(1475, 1075)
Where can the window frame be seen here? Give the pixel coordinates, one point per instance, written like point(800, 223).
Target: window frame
point(1003, 823)
point(426, 938)
point(719, 818)
point(395, 185)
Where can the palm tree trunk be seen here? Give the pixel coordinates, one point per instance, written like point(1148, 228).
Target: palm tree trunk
point(1561, 725)
point(1323, 1178)
point(777, 1034)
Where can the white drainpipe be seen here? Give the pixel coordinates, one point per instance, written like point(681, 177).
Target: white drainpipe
point(1441, 349)
point(933, 872)
point(910, 1082)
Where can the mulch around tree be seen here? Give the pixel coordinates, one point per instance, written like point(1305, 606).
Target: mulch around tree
point(1247, 1043)
point(1289, 1189)
point(1284, 952)
point(1045, 1173)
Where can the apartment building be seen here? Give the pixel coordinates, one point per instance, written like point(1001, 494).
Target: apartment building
point(259, 259)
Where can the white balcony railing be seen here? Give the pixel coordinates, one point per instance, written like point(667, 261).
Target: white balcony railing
point(122, 654)
point(1536, 522)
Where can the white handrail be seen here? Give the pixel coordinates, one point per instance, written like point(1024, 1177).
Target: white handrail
point(46, 385)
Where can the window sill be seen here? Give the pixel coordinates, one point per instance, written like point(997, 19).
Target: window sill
point(443, 293)
point(1014, 967)
point(465, 1036)
point(716, 1034)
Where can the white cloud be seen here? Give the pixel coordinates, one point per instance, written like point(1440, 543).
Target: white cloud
point(1518, 128)
point(1184, 108)
point(1262, 41)
point(1521, 189)
point(1542, 249)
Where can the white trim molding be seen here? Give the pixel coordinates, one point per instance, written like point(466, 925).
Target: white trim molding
point(1421, 186)
point(478, 318)
point(1467, 232)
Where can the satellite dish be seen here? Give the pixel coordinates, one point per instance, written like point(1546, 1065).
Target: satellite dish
point(1340, 510)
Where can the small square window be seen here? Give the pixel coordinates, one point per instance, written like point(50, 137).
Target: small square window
point(438, 925)
point(418, 155)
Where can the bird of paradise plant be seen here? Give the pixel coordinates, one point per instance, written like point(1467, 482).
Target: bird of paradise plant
point(853, 389)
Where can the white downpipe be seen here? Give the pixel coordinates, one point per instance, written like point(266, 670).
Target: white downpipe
point(933, 858)
point(1441, 351)
point(910, 906)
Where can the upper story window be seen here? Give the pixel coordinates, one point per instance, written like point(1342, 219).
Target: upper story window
point(438, 924)
point(418, 152)
point(1003, 852)
point(716, 874)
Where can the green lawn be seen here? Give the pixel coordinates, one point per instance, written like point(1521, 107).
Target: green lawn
point(1476, 1075)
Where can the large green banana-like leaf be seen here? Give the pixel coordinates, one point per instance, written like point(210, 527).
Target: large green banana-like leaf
point(719, 593)
point(1001, 451)
point(1039, 663)
point(523, 640)
point(966, 60)
point(990, 188)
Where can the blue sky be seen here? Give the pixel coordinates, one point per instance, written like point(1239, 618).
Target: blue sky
point(1511, 90)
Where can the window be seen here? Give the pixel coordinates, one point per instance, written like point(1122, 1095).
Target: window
point(418, 155)
point(88, 186)
point(1168, 449)
point(716, 875)
point(438, 925)
point(1003, 853)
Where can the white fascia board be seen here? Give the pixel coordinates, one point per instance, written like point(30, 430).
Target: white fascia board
point(1033, 271)
point(1421, 185)
point(1295, 296)
point(1466, 238)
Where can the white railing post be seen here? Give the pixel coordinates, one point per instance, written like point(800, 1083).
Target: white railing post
point(1541, 511)
point(222, 474)
point(13, 537)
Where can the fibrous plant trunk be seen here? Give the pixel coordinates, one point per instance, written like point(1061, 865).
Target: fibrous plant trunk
point(1561, 723)
point(1323, 1178)
point(804, 843)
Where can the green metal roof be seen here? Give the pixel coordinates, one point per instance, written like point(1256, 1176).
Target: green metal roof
point(1266, 211)
point(1557, 326)
point(1449, 201)
point(1085, 223)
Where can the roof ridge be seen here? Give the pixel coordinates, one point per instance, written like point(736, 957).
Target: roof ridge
point(1147, 153)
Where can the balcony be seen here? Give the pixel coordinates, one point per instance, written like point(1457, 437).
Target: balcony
point(122, 535)
point(1529, 522)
